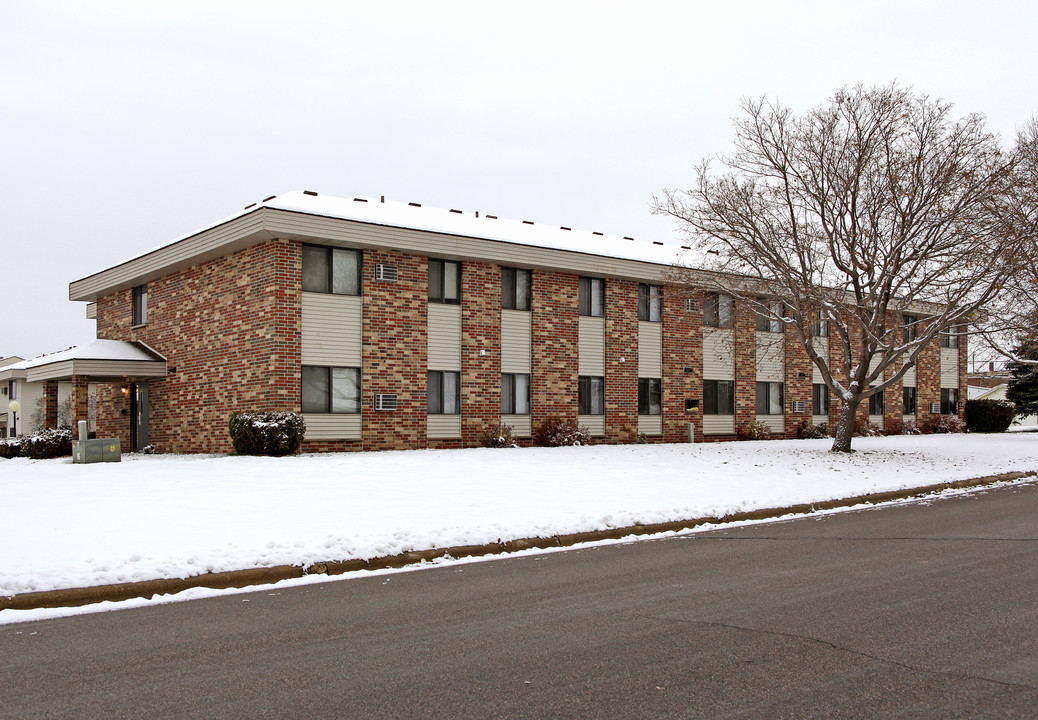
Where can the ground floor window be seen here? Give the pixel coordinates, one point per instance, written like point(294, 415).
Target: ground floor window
point(650, 398)
point(718, 397)
point(876, 404)
point(591, 395)
point(908, 406)
point(444, 392)
point(949, 401)
point(820, 399)
point(331, 390)
point(769, 398)
point(515, 394)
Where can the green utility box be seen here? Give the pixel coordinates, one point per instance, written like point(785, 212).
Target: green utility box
point(93, 451)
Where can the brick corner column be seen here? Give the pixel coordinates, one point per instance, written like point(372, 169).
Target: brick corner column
point(799, 377)
point(682, 348)
point(554, 339)
point(480, 349)
point(745, 364)
point(621, 357)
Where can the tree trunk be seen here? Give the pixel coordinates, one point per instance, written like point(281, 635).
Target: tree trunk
point(845, 427)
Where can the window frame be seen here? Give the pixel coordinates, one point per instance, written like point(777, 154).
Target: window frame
point(437, 403)
point(330, 253)
point(587, 294)
point(820, 327)
point(877, 402)
point(587, 397)
point(764, 322)
point(439, 268)
point(909, 399)
point(712, 396)
point(510, 393)
point(649, 389)
point(909, 327)
point(950, 338)
point(949, 401)
point(718, 310)
point(650, 303)
point(820, 399)
point(139, 304)
point(329, 390)
point(512, 297)
point(770, 405)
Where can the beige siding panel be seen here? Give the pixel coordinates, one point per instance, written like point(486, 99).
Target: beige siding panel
point(819, 419)
point(97, 368)
point(775, 423)
point(520, 424)
point(331, 333)
point(331, 426)
point(515, 341)
point(718, 354)
point(591, 346)
point(770, 357)
point(876, 420)
point(949, 367)
point(718, 424)
point(650, 424)
point(443, 427)
point(908, 419)
point(821, 345)
point(909, 379)
point(444, 337)
point(594, 423)
point(91, 311)
point(30, 394)
point(650, 349)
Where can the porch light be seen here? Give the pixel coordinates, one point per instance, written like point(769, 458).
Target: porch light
point(14, 406)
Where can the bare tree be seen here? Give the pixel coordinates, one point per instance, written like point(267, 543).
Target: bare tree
point(873, 209)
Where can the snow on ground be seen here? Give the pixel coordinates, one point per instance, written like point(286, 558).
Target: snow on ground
point(164, 516)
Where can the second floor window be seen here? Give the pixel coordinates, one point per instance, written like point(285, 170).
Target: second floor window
point(650, 303)
point(140, 305)
point(591, 298)
point(444, 281)
point(911, 327)
point(718, 397)
point(591, 395)
point(515, 289)
point(650, 397)
point(444, 392)
point(331, 270)
point(950, 339)
point(820, 327)
point(718, 310)
point(515, 394)
point(769, 317)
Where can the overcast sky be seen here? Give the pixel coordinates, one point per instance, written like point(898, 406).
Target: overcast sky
point(127, 124)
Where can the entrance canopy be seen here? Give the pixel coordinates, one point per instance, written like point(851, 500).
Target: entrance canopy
point(100, 360)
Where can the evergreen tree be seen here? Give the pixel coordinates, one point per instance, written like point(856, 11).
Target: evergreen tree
point(1023, 386)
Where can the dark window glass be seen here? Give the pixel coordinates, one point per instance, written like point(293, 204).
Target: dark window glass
point(515, 394)
point(908, 402)
point(591, 395)
point(331, 390)
point(950, 339)
point(821, 325)
point(331, 270)
point(591, 299)
point(444, 281)
point(820, 399)
point(650, 303)
point(649, 396)
point(444, 392)
point(718, 397)
point(718, 310)
point(515, 289)
point(911, 327)
point(949, 401)
point(769, 398)
point(140, 305)
point(876, 404)
point(768, 317)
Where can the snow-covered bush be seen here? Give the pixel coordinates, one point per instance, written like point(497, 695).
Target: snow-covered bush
point(753, 430)
point(897, 426)
point(809, 431)
point(989, 415)
point(496, 436)
point(10, 448)
point(863, 427)
point(942, 424)
point(557, 432)
point(629, 435)
point(266, 433)
point(50, 443)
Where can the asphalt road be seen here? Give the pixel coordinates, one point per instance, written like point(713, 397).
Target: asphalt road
point(927, 610)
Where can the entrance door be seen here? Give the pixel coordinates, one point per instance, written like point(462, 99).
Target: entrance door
point(139, 416)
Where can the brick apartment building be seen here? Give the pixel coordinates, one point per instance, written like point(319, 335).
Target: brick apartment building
point(390, 325)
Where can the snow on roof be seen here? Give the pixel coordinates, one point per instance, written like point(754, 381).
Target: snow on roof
point(96, 350)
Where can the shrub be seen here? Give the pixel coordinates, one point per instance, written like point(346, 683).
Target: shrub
point(989, 415)
point(496, 436)
point(266, 433)
point(897, 426)
point(942, 424)
point(45, 444)
point(753, 430)
point(628, 435)
point(863, 427)
point(813, 432)
point(10, 448)
point(557, 432)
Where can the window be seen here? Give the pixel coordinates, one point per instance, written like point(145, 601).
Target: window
point(718, 397)
point(515, 289)
point(950, 339)
point(650, 302)
point(140, 305)
point(444, 392)
point(515, 394)
point(908, 403)
point(444, 281)
point(331, 270)
point(769, 398)
point(769, 317)
point(649, 396)
point(949, 401)
point(12, 389)
point(876, 404)
point(331, 390)
point(911, 327)
point(820, 328)
point(592, 297)
point(820, 399)
point(591, 395)
point(718, 310)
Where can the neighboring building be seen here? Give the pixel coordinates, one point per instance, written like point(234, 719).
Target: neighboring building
point(389, 325)
point(998, 392)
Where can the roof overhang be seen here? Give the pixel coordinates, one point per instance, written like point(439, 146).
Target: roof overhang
point(101, 360)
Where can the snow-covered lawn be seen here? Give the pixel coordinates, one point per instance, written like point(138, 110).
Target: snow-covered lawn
point(163, 516)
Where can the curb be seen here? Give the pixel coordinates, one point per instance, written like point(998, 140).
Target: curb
point(73, 597)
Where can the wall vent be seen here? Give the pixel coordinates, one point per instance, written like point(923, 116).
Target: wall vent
point(799, 406)
point(935, 408)
point(385, 272)
point(385, 401)
point(690, 305)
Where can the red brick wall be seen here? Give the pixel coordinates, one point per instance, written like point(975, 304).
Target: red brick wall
point(554, 339)
point(745, 364)
point(230, 331)
point(682, 347)
point(480, 349)
point(928, 380)
point(621, 357)
point(799, 372)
